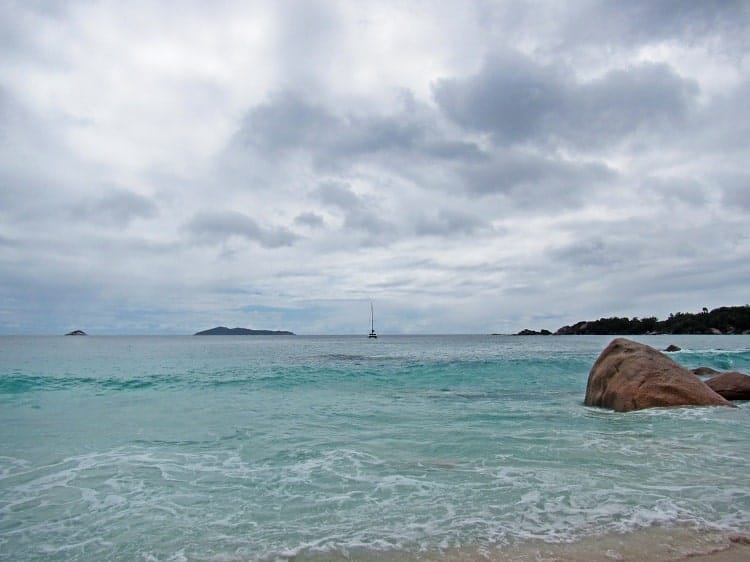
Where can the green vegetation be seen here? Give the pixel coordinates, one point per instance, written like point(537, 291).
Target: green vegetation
point(724, 320)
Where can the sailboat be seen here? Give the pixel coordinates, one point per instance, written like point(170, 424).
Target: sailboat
point(372, 324)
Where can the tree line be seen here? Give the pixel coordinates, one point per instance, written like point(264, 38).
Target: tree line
point(724, 320)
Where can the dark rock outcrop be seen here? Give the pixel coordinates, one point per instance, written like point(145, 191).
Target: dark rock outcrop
point(672, 347)
point(528, 332)
point(731, 385)
point(631, 376)
point(76, 333)
point(224, 331)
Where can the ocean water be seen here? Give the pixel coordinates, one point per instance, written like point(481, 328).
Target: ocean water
point(334, 448)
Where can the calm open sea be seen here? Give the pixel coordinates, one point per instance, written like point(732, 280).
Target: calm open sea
point(281, 448)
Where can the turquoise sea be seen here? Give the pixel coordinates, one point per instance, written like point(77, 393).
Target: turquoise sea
point(334, 448)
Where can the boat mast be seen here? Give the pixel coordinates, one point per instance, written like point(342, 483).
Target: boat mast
point(372, 323)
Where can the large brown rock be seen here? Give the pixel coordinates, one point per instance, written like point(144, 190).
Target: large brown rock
point(731, 385)
point(631, 376)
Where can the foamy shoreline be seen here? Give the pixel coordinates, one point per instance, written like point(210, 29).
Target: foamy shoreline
point(658, 544)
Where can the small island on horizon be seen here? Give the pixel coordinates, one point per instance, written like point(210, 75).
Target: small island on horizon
point(224, 331)
point(724, 320)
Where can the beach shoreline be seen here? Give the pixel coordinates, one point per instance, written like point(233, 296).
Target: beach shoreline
point(655, 544)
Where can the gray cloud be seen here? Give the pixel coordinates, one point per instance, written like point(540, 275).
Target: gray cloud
point(288, 121)
point(471, 166)
point(359, 214)
point(309, 219)
point(218, 226)
point(116, 207)
point(511, 97)
point(449, 222)
point(534, 181)
point(339, 195)
point(604, 21)
point(6, 114)
point(625, 101)
point(454, 150)
point(736, 190)
point(592, 252)
point(519, 100)
point(309, 33)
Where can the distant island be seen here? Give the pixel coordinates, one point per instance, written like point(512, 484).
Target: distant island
point(77, 333)
point(723, 320)
point(223, 331)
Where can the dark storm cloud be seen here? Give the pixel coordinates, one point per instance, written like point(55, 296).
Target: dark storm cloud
point(118, 207)
point(218, 226)
point(517, 99)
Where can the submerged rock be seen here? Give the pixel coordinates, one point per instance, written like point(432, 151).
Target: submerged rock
point(672, 347)
point(705, 371)
point(631, 376)
point(731, 385)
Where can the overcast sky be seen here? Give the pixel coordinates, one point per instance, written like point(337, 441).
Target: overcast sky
point(469, 167)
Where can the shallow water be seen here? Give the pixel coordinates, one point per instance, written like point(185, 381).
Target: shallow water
point(271, 448)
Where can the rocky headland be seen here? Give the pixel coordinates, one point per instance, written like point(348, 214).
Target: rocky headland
point(722, 320)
